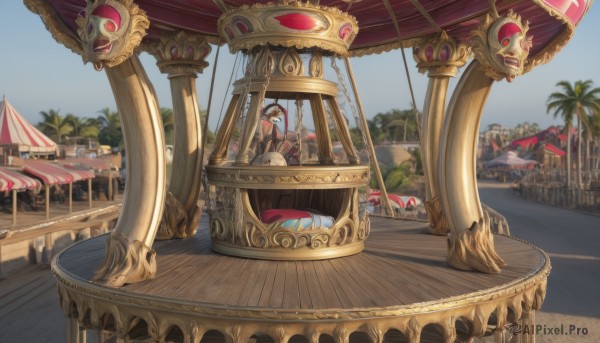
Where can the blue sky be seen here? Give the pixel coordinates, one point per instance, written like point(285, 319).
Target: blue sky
point(38, 74)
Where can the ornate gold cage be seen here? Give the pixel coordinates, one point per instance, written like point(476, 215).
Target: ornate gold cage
point(285, 63)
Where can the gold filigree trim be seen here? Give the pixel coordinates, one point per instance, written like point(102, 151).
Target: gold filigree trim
point(125, 261)
point(383, 48)
point(59, 31)
point(435, 213)
point(474, 249)
point(277, 177)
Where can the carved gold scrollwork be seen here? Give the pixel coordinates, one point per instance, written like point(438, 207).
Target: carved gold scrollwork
point(496, 59)
point(175, 222)
point(108, 49)
point(249, 26)
point(316, 65)
point(125, 261)
point(181, 53)
point(440, 55)
point(435, 215)
point(265, 62)
point(473, 249)
point(290, 63)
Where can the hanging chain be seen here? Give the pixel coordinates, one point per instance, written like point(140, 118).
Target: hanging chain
point(342, 83)
point(299, 126)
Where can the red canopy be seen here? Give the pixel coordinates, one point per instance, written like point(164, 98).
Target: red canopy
point(11, 179)
point(15, 130)
point(551, 21)
point(52, 174)
point(554, 149)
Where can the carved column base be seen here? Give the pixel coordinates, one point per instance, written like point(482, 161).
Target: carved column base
point(473, 249)
point(125, 261)
point(435, 213)
point(176, 222)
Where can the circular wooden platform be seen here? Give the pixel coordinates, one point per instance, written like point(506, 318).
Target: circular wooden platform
point(401, 284)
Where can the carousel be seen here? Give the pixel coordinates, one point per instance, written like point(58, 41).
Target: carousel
point(285, 249)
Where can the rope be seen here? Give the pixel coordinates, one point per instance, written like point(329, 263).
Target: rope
point(210, 95)
point(410, 87)
point(384, 197)
point(342, 83)
point(227, 90)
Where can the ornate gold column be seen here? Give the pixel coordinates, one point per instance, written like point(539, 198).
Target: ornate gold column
point(501, 48)
point(128, 256)
point(182, 56)
point(440, 56)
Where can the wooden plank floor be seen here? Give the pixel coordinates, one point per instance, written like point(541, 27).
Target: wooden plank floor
point(402, 264)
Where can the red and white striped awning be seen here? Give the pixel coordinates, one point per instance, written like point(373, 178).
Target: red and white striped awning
point(97, 164)
point(52, 174)
point(15, 130)
point(80, 173)
point(12, 179)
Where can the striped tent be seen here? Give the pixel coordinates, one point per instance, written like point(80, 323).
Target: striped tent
point(53, 174)
point(50, 174)
point(17, 132)
point(16, 180)
point(11, 180)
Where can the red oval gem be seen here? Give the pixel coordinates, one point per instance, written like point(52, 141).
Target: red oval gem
point(297, 21)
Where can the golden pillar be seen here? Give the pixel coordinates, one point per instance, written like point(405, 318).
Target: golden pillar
point(440, 57)
point(182, 56)
point(501, 47)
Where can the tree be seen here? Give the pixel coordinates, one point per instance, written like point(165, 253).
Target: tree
point(393, 126)
point(168, 121)
point(54, 125)
point(110, 128)
point(574, 102)
point(86, 127)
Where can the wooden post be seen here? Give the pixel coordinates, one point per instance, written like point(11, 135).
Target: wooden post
point(73, 334)
point(47, 201)
point(14, 207)
point(110, 188)
point(90, 192)
point(70, 197)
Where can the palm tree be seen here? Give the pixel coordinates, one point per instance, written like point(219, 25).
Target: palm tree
point(110, 128)
point(168, 121)
point(86, 127)
point(54, 125)
point(573, 103)
point(594, 132)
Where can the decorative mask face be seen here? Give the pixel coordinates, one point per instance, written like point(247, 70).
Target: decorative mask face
point(501, 46)
point(509, 46)
point(103, 28)
point(110, 31)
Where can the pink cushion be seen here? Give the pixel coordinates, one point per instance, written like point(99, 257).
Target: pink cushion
point(276, 215)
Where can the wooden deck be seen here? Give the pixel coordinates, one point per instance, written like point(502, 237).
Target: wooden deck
point(402, 271)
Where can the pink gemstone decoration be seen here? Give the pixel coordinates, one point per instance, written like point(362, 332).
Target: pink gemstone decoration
point(429, 52)
point(345, 31)
point(241, 26)
point(445, 53)
point(190, 52)
point(174, 52)
point(297, 21)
